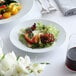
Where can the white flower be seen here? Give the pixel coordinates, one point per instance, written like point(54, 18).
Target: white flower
point(10, 66)
point(27, 60)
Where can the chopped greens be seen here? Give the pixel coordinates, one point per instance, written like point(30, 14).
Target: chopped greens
point(39, 35)
point(22, 39)
point(48, 29)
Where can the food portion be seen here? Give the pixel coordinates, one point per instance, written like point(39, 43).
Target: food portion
point(9, 8)
point(39, 35)
point(10, 65)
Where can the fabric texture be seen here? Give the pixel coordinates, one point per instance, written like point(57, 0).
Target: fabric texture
point(67, 7)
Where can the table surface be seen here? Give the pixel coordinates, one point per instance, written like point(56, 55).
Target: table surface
point(55, 57)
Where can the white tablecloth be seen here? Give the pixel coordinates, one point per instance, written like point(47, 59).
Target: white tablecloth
point(55, 57)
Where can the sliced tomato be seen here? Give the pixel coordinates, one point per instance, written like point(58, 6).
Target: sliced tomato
point(3, 6)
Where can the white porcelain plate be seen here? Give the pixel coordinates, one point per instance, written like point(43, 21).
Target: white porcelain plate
point(26, 7)
point(14, 36)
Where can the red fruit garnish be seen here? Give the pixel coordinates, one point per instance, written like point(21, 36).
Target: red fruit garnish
point(1, 16)
point(33, 27)
point(47, 38)
point(3, 6)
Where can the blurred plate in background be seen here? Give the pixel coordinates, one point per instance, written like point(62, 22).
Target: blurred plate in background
point(26, 7)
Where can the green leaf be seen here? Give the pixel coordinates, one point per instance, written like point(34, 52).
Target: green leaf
point(2, 56)
point(22, 38)
point(18, 57)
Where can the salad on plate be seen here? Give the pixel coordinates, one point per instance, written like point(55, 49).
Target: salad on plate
point(9, 8)
point(11, 65)
point(38, 35)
